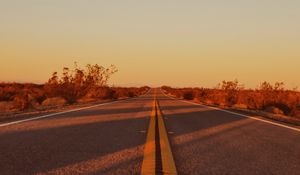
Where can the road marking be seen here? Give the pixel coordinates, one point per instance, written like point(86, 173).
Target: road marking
point(168, 163)
point(148, 165)
point(242, 115)
point(54, 114)
point(158, 158)
point(68, 111)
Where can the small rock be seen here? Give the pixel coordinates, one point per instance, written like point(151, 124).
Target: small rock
point(274, 110)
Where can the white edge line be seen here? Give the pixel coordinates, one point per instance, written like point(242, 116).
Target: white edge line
point(64, 112)
point(242, 115)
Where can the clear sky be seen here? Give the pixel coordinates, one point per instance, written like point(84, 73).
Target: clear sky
point(155, 42)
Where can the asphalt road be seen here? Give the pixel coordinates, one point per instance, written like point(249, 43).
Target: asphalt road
point(102, 140)
point(209, 141)
point(110, 139)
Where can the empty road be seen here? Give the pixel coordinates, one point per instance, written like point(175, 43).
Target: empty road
point(111, 139)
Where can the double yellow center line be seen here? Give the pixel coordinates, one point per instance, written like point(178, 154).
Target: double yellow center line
point(158, 158)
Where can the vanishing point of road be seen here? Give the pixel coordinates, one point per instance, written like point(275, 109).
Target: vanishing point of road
point(150, 134)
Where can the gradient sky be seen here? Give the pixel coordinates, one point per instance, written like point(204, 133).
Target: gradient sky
point(177, 43)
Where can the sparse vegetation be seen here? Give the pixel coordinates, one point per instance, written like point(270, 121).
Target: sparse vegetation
point(270, 98)
point(73, 86)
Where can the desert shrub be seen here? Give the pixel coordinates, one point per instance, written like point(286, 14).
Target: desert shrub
point(6, 106)
point(22, 101)
point(54, 101)
point(188, 95)
point(200, 93)
point(105, 93)
point(121, 92)
point(52, 87)
point(77, 83)
point(274, 110)
point(231, 90)
point(72, 85)
point(23, 96)
point(231, 93)
point(250, 98)
point(131, 94)
point(88, 84)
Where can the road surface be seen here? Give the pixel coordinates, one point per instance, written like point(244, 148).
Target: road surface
point(111, 139)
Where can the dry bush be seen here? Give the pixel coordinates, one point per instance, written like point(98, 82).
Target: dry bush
point(54, 101)
point(188, 95)
point(72, 86)
point(6, 106)
point(179, 92)
point(78, 83)
point(104, 93)
point(121, 92)
point(22, 102)
point(231, 90)
point(274, 110)
point(23, 96)
point(89, 83)
point(232, 94)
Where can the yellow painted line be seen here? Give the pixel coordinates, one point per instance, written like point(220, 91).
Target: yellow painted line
point(168, 163)
point(148, 166)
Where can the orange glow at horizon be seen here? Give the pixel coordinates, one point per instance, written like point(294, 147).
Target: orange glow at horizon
point(176, 43)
